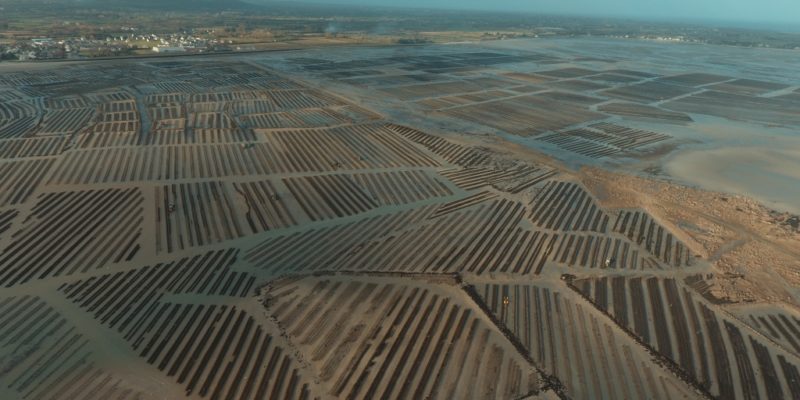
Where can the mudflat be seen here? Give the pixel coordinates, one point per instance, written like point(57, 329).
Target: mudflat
point(544, 218)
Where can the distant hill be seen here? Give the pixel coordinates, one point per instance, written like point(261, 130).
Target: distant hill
point(160, 5)
point(178, 5)
point(183, 5)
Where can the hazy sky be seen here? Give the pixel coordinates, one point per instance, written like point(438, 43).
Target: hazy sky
point(782, 11)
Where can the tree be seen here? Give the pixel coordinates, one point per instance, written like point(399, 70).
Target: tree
point(8, 56)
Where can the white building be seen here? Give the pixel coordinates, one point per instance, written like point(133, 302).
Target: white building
point(169, 49)
point(41, 41)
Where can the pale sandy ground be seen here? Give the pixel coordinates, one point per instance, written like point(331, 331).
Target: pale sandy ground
point(755, 254)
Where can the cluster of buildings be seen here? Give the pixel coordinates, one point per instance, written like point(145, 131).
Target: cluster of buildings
point(115, 45)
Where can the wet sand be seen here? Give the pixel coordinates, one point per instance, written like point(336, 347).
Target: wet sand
point(769, 175)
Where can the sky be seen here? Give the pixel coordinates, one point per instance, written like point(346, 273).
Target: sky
point(759, 11)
